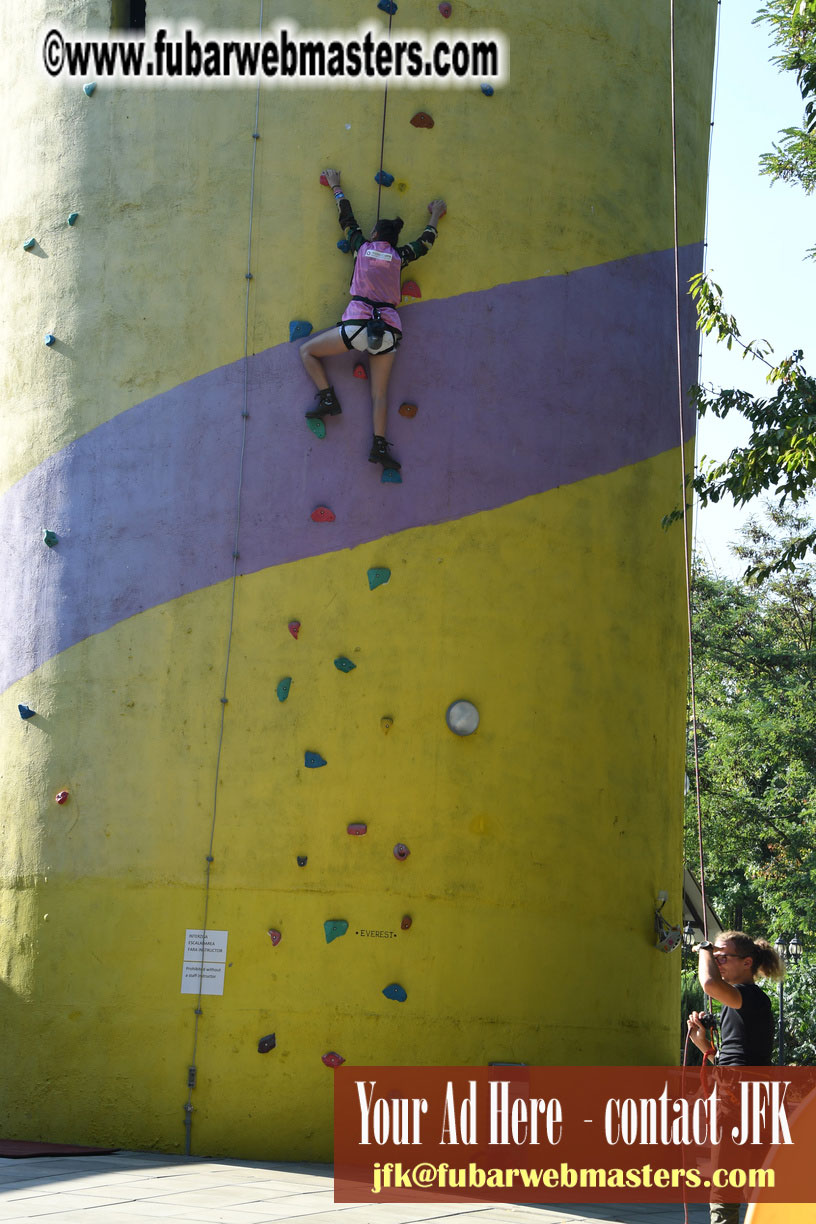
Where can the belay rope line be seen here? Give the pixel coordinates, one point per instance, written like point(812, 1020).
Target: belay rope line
point(382, 138)
point(680, 401)
point(191, 1078)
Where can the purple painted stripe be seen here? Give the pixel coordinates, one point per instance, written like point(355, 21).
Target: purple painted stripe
point(520, 388)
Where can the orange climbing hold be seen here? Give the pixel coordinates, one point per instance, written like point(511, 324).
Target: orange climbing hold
point(422, 119)
point(360, 371)
point(322, 514)
point(411, 290)
point(407, 410)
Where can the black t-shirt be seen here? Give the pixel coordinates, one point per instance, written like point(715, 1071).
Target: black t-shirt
point(747, 1032)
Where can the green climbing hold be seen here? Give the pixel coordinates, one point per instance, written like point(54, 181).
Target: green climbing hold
point(283, 688)
point(334, 928)
point(344, 665)
point(377, 577)
point(317, 426)
point(29, 244)
point(50, 538)
point(72, 218)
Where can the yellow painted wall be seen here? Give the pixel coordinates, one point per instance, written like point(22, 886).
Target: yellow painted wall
point(538, 846)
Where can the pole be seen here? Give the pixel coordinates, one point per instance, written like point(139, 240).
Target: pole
point(781, 1036)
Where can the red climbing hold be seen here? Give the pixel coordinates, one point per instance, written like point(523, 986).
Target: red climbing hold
point(333, 1060)
point(322, 514)
point(324, 182)
point(406, 922)
point(275, 936)
point(61, 797)
point(411, 290)
point(407, 410)
point(446, 9)
point(294, 626)
point(357, 830)
point(360, 370)
point(443, 212)
point(422, 119)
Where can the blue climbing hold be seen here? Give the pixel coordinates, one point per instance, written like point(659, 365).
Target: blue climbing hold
point(89, 88)
point(50, 538)
point(283, 688)
point(26, 712)
point(391, 476)
point(395, 992)
point(377, 577)
point(344, 245)
point(29, 243)
point(299, 329)
point(344, 665)
point(387, 6)
point(384, 179)
point(314, 760)
point(49, 339)
point(72, 218)
point(488, 91)
point(334, 928)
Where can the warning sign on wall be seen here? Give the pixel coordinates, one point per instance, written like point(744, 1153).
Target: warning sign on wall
point(205, 959)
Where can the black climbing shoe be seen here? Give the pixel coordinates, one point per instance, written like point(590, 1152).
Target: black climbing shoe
point(327, 405)
point(379, 454)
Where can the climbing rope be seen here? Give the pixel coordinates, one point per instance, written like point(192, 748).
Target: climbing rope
point(382, 138)
point(191, 1078)
point(680, 402)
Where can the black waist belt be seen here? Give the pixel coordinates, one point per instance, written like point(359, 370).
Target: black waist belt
point(374, 305)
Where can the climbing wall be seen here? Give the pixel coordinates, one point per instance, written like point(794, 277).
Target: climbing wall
point(236, 649)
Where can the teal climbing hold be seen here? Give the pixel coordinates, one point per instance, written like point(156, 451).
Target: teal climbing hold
point(89, 88)
point(343, 664)
point(314, 760)
point(29, 243)
point(334, 928)
point(395, 992)
point(299, 328)
point(377, 577)
point(383, 178)
point(283, 688)
point(72, 218)
point(391, 476)
point(50, 538)
point(317, 426)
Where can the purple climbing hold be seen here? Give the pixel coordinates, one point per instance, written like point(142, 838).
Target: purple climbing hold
point(267, 1043)
point(357, 830)
point(275, 936)
point(383, 178)
point(446, 9)
point(395, 992)
point(26, 712)
point(299, 329)
point(401, 851)
point(332, 1059)
point(314, 760)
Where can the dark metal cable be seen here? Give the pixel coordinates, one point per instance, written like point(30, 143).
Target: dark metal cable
point(233, 591)
point(382, 139)
point(680, 400)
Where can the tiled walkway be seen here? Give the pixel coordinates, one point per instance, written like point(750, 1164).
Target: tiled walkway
point(141, 1188)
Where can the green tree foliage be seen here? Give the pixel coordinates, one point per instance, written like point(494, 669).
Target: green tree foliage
point(780, 455)
point(793, 31)
point(755, 667)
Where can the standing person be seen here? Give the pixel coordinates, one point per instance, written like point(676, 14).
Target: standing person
point(370, 322)
point(727, 971)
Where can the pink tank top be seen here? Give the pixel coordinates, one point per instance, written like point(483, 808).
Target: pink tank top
point(377, 271)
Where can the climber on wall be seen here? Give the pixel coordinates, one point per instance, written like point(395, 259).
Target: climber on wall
point(370, 321)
